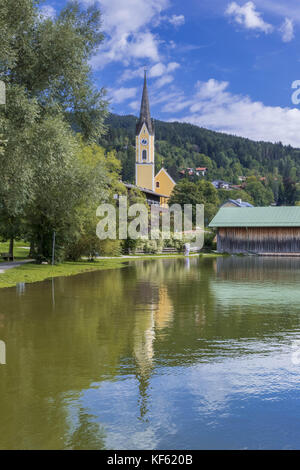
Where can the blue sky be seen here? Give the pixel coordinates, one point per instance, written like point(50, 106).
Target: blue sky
point(224, 65)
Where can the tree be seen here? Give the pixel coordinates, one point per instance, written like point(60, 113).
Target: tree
point(261, 195)
point(15, 162)
point(202, 192)
point(224, 195)
point(287, 192)
point(103, 182)
point(61, 183)
point(45, 65)
point(50, 59)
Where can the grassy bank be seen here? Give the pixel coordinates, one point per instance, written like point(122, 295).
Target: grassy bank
point(35, 272)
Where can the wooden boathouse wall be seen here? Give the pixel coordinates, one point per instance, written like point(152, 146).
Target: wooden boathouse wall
point(259, 240)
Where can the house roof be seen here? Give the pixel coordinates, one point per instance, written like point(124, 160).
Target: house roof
point(257, 217)
point(165, 171)
point(239, 203)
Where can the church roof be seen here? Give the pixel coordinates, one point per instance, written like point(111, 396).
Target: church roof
point(145, 190)
point(145, 116)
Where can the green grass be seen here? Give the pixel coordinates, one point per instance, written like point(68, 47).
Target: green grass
point(213, 255)
point(21, 249)
point(35, 272)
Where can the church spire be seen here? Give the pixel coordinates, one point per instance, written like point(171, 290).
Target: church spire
point(145, 116)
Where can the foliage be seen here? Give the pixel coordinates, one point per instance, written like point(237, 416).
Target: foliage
point(201, 192)
point(288, 192)
point(45, 184)
point(262, 195)
point(50, 59)
point(235, 194)
point(209, 241)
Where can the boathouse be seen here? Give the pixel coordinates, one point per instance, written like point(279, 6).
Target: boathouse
point(258, 230)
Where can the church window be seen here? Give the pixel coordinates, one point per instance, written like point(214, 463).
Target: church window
point(144, 155)
point(157, 184)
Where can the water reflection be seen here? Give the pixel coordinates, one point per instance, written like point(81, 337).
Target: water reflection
point(159, 354)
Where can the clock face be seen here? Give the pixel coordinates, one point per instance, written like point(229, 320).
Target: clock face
point(144, 141)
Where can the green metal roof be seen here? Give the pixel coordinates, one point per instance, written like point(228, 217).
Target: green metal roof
point(257, 217)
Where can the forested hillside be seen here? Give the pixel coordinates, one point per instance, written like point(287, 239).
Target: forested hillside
point(180, 145)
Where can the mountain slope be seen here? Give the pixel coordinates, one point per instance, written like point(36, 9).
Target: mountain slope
point(181, 145)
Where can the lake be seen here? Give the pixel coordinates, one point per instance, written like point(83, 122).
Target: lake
point(162, 354)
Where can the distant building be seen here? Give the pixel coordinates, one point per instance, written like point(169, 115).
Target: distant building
point(220, 184)
point(258, 230)
point(236, 203)
point(201, 171)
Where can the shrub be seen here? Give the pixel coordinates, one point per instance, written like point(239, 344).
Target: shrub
point(209, 242)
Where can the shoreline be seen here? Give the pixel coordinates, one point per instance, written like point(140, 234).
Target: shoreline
point(28, 272)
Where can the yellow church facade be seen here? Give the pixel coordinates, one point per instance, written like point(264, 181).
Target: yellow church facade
point(164, 183)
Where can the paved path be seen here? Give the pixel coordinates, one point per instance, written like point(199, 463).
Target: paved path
point(12, 264)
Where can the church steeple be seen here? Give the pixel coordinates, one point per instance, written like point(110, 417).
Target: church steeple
point(145, 145)
point(145, 116)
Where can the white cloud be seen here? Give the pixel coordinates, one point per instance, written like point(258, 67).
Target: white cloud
point(157, 70)
point(165, 80)
point(289, 9)
point(248, 16)
point(47, 11)
point(287, 30)
point(121, 94)
point(177, 20)
point(135, 105)
point(127, 27)
point(214, 107)
point(161, 69)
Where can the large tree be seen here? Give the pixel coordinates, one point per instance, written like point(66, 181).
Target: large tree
point(50, 94)
point(202, 192)
point(50, 59)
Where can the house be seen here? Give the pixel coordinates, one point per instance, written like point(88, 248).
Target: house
point(259, 230)
point(201, 171)
point(236, 203)
point(219, 184)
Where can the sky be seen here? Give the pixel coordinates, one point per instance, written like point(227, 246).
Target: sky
point(229, 66)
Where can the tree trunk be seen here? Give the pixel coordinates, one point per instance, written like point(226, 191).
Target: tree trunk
point(32, 250)
point(11, 247)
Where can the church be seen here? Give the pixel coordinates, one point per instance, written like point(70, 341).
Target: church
point(157, 188)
